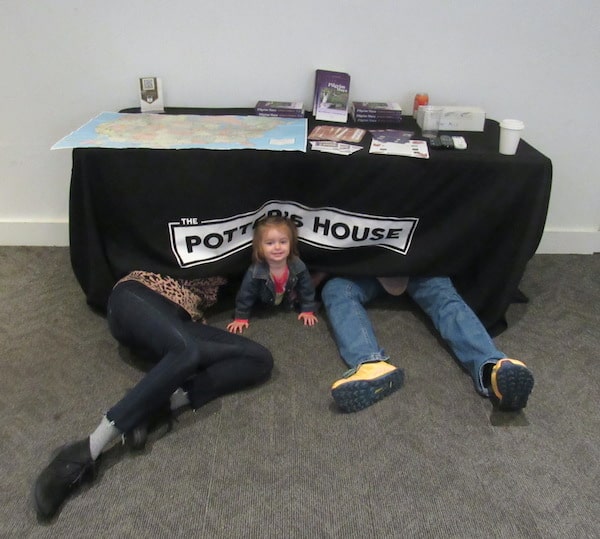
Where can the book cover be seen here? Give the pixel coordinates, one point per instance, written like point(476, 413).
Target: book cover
point(376, 112)
point(374, 122)
point(395, 121)
point(360, 115)
point(287, 109)
point(281, 114)
point(332, 93)
point(281, 105)
point(376, 107)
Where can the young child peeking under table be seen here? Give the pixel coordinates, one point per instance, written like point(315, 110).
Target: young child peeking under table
point(277, 276)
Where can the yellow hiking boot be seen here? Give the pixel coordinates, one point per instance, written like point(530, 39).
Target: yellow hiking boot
point(365, 385)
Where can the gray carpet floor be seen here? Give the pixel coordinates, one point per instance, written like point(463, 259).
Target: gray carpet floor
point(279, 461)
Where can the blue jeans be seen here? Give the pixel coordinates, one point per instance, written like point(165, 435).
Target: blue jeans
point(344, 301)
point(205, 361)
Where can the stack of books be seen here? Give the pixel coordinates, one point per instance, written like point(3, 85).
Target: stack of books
point(331, 97)
point(376, 113)
point(285, 109)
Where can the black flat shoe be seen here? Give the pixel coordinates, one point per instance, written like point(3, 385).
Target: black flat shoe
point(69, 469)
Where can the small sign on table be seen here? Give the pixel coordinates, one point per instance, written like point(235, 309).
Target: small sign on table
point(151, 95)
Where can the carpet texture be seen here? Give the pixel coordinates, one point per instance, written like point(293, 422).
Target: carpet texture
point(280, 461)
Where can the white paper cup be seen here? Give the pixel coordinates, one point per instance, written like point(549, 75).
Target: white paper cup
point(510, 134)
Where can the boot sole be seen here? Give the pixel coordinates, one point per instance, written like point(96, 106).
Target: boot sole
point(515, 385)
point(360, 394)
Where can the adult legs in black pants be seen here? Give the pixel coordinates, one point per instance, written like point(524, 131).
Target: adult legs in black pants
point(203, 361)
point(206, 361)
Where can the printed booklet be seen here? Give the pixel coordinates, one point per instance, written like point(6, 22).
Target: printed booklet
point(331, 98)
point(412, 148)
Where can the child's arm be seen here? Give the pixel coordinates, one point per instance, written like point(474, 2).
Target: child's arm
point(306, 295)
point(244, 300)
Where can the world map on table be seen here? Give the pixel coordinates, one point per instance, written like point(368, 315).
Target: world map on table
point(181, 131)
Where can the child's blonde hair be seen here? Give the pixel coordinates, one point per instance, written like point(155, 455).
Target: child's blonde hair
point(274, 221)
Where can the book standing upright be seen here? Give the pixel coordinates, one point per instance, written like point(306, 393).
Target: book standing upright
point(331, 98)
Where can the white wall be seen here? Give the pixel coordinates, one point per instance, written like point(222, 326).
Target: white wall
point(63, 62)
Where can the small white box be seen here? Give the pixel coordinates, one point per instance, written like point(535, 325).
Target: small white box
point(457, 118)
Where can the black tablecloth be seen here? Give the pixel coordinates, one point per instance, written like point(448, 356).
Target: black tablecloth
point(475, 215)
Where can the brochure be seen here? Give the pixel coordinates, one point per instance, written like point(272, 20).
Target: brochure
point(412, 148)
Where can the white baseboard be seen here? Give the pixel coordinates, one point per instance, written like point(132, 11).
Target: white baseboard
point(560, 241)
point(35, 233)
point(56, 233)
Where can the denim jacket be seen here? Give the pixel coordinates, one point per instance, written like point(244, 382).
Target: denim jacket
point(258, 285)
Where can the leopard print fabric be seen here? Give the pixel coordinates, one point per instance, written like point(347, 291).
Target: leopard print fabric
point(193, 295)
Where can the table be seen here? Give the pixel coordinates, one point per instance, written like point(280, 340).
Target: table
point(474, 215)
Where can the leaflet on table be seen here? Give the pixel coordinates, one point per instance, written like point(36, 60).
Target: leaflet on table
point(391, 135)
point(331, 132)
point(329, 146)
point(412, 148)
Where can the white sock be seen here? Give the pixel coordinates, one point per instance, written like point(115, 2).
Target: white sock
point(179, 398)
point(105, 433)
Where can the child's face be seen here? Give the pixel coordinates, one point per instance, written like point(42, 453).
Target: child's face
point(275, 245)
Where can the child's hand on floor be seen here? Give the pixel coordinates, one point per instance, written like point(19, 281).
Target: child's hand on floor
point(309, 319)
point(237, 326)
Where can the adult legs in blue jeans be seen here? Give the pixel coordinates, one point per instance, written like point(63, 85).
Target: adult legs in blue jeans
point(368, 379)
point(344, 301)
point(507, 381)
point(458, 325)
point(199, 361)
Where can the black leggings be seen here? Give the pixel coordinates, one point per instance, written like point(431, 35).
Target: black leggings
point(205, 361)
